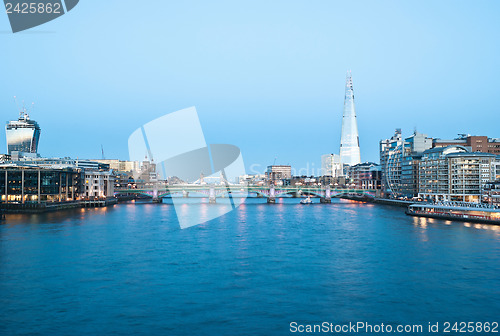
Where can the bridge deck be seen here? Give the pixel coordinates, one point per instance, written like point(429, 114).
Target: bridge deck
point(259, 190)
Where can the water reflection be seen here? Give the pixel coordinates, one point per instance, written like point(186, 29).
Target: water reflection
point(424, 222)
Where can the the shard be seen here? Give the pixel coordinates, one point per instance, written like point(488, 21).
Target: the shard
point(349, 142)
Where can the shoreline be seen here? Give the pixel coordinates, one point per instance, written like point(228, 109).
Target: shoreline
point(38, 208)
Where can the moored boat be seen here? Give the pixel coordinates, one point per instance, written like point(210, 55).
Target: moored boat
point(459, 211)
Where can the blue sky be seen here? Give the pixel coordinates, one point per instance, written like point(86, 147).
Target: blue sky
point(267, 76)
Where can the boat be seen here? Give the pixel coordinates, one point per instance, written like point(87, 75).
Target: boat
point(307, 200)
point(458, 211)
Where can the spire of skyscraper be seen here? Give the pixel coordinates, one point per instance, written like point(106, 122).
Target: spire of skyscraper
point(349, 142)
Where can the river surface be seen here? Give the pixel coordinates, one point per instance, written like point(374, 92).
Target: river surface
point(130, 270)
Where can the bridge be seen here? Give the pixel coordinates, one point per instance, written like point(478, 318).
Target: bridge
point(213, 191)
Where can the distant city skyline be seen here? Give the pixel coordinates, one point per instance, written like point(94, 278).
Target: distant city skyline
point(269, 81)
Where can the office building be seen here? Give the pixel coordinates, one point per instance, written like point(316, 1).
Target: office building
point(491, 193)
point(365, 175)
point(414, 146)
point(22, 134)
point(98, 184)
point(349, 142)
point(391, 153)
point(24, 183)
point(330, 165)
point(399, 163)
point(453, 173)
point(278, 173)
point(472, 143)
point(121, 165)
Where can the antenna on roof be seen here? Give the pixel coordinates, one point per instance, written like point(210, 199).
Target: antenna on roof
point(102, 152)
point(21, 112)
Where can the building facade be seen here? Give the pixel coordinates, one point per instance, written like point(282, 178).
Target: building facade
point(32, 184)
point(22, 134)
point(453, 173)
point(391, 152)
point(99, 184)
point(278, 173)
point(121, 165)
point(399, 160)
point(491, 193)
point(349, 141)
point(365, 175)
point(473, 143)
point(330, 165)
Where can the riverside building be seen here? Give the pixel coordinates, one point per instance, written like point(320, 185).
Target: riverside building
point(453, 173)
point(58, 178)
point(99, 184)
point(391, 152)
point(365, 175)
point(491, 193)
point(399, 163)
point(25, 183)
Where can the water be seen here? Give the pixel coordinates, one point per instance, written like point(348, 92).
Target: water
point(129, 269)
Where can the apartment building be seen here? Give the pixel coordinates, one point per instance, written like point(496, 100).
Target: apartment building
point(454, 173)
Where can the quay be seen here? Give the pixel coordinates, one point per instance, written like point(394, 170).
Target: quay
point(35, 207)
point(393, 202)
point(99, 203)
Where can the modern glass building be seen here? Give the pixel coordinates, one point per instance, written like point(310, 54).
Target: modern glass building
point(330, 165)
point(399, 160)
point(35, 184)
point(22, 134)
point(349, 142)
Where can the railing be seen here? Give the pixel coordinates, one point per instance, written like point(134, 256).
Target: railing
point(468, 205)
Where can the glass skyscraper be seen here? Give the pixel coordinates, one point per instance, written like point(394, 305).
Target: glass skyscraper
point(349, 142)
point(22, 134)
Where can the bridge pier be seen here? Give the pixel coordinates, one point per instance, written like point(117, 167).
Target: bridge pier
point(185, 194)
point(156, 199)
point(272, 195)
point(211, 196)
point(328, 196)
